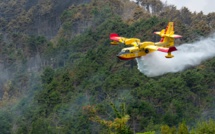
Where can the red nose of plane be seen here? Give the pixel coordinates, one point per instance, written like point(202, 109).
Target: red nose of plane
point(120, 57)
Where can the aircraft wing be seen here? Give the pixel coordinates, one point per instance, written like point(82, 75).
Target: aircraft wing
point(153, 48)
point(166, 50)
point(116, 39)
point(132, 41)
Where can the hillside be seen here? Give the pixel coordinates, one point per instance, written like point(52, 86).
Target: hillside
point(38, 17)
point(59, 73)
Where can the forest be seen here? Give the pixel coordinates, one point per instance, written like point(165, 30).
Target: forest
point(60, 75)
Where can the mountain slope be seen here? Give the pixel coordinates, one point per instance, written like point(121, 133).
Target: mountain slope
point(49, 82)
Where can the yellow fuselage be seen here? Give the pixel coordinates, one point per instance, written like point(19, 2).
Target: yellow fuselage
point(132, 52)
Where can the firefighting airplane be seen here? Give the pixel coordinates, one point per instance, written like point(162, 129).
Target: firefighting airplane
point(138, 49)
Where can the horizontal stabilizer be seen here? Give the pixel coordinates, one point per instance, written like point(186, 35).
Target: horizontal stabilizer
point(168, 32)
point(157, 33)
point(176, 36)
point(168, 35)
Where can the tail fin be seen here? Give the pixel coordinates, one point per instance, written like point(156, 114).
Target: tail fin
point(167, 35)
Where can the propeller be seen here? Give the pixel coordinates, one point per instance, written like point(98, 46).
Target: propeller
point(138, 44)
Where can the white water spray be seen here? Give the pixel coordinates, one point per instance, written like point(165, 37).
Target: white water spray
point(187, 55)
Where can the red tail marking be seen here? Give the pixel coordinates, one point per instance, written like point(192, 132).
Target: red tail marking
point(162, 39)
point(166, 30)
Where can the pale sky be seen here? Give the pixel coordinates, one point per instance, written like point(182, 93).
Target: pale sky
point(206, 6)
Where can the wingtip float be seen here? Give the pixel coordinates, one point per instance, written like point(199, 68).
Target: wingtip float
point(138, 49)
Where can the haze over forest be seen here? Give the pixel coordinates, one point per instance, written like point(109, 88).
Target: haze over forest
point(59, 73)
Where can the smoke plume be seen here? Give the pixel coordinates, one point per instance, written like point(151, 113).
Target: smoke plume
point(187, 55)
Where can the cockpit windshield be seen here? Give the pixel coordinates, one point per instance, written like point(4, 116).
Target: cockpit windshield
point(125, 51)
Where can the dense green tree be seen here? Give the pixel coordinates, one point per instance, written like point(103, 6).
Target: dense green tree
point(41, 126)
point(183, 129)
point(118, 125)
point(206, 127)
point(48, 75)
point(5, 122)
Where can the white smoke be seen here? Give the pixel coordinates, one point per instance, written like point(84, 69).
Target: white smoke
point(187, 55)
